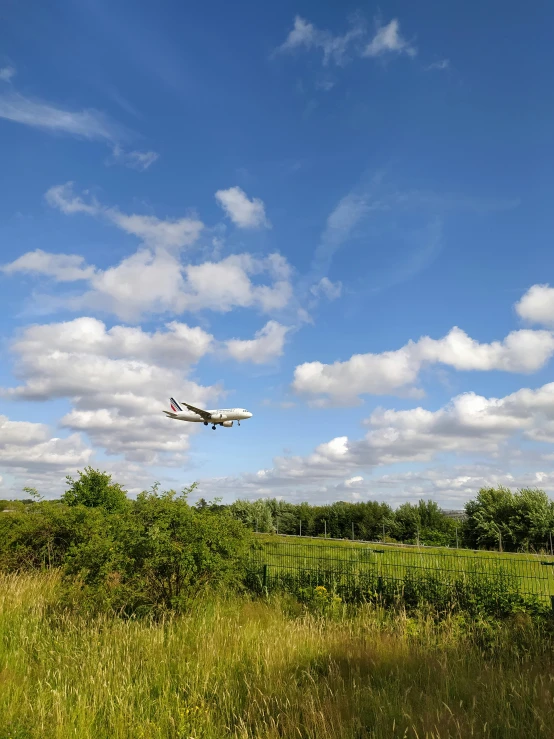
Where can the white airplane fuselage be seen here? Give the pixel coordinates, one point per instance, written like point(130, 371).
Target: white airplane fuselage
point(217, 416)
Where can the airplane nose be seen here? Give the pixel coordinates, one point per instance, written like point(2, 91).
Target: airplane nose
point(249, 415)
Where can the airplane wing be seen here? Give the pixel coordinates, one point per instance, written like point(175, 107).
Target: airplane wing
point(200, 411)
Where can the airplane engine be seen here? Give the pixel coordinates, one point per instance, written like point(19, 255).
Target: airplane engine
point(227, 424)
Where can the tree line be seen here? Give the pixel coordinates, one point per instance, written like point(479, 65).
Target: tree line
point(496, 519)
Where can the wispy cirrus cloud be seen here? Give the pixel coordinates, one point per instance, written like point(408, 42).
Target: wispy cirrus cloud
point(387, 40)
point(7, 73)
point(440, 65)
point(88, 124)
point(139, 160)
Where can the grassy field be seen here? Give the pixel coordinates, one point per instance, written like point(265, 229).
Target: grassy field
point(531, 574)
point(265, 669)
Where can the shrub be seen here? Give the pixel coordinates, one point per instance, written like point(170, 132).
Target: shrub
point(40, 535)
point(157, 557)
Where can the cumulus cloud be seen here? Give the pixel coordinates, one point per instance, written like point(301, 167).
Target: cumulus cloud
point(469, 424)
point(537, 305)
point(340, 48)
point(154, 279)
point(267, 344)
point(61, 267)
point(30, 446)
point(177, 345)
point(118, 381)
point(157, 282)
point(396, 371)
point(244, 213)
point(155, 232)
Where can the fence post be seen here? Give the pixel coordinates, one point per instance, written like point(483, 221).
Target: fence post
point(325, 522)
point(264, 577)
point(552, 602)
point(352, 530)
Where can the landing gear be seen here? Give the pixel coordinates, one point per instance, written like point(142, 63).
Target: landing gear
point(238, 422)
point(213, 427)
point(205, 423)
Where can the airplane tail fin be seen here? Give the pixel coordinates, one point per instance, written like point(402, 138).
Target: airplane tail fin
point(175, 407)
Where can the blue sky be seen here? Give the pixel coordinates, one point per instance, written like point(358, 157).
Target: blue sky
point(337, 216)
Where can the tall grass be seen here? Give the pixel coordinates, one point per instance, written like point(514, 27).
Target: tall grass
point(267, 669)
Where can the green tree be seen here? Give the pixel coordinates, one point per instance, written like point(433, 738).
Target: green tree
point(488, 519)
point(532, 518)
point(95, 489)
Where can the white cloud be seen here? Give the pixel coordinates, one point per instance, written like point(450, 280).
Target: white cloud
point(350, 211)
point(154, 279)
point(388, 40)
point(393, 371)
point(244, 213)
point(226, 284)
point(537, 305)
point(267, 344)
point(62, 267)
point(7, 74)
point(157, 282)
point(354, 481)
point(118, 381)
point(88, 124)
point(139, 160)
point(306, 35)
point(331, 290)
point(30, 446)
point(469, 424)
point(156, 233)
point(441, 64)
point(177, 345)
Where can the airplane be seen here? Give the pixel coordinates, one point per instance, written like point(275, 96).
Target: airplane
point(220, 417)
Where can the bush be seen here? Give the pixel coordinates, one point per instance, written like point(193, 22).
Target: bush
point(39, 535)
point(157, 557)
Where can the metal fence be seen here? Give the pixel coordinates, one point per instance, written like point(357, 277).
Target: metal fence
point(350, 567)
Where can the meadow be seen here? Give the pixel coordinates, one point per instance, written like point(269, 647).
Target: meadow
point(344, 563)
point(265, 668)
point(156, 619)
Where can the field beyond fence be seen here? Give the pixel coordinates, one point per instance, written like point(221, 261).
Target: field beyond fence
point(444, 577)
